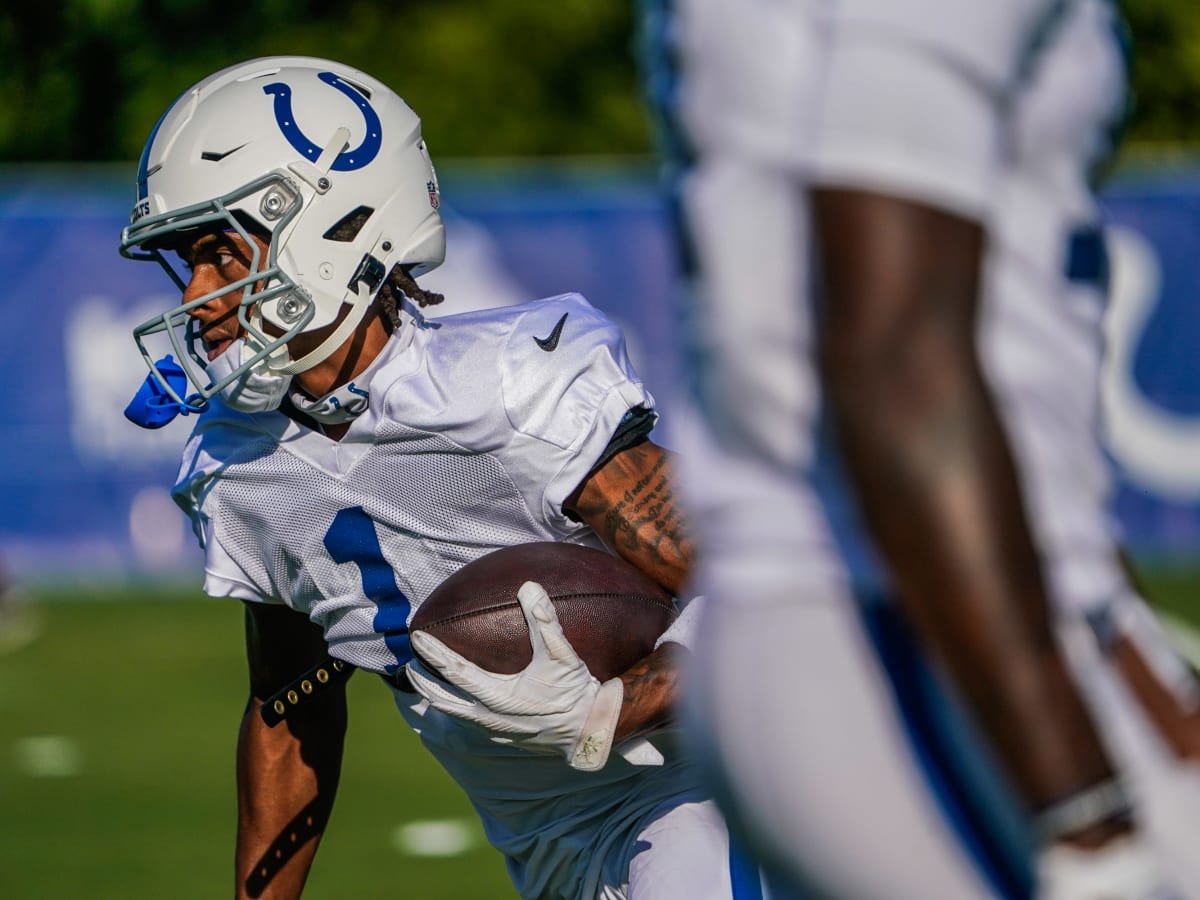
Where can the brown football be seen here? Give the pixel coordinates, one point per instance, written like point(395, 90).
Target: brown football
point(610, 611)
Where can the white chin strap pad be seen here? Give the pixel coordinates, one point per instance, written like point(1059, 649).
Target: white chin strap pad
point(337, 337)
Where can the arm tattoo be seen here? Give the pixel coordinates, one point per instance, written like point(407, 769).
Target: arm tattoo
point(632, 504)
point(645, 517)
point(649, 686)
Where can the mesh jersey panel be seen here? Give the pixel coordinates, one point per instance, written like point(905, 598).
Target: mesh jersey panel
point(434, 508)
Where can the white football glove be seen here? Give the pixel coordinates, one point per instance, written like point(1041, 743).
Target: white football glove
point(554, 705)
point(1122, 869)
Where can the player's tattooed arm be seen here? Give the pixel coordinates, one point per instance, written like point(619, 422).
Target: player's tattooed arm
point(632, 502)
point(287, 776)
point(651, 687)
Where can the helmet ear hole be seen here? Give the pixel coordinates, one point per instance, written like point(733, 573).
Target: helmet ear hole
point(346, 228)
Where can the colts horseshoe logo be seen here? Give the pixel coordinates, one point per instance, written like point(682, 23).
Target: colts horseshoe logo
point(347, 160)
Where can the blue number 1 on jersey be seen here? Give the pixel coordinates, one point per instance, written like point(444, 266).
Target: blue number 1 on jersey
point(352, 539)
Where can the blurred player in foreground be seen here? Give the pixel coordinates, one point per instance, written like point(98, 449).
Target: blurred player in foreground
point(348, 456)
point(852, 154)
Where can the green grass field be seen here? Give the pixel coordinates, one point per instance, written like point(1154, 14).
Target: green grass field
point(117, 730)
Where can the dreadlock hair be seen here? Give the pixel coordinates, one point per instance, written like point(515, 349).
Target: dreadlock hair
point(399, 283)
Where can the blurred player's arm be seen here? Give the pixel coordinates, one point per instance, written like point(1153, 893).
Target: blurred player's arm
point(1166, 685)
point(287, 776)
point(632, 504)
point(936, 482)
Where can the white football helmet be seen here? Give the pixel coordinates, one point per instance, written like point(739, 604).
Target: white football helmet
point(287, 147)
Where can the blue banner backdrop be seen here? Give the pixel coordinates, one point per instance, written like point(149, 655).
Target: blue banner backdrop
point(83, 493)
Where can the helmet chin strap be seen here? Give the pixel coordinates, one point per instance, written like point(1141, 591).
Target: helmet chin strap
point(335, 339)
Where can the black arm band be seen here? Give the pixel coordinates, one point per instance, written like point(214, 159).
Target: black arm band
point(320, 678)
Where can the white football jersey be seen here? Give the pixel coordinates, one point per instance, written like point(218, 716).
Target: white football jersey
point(478, 427)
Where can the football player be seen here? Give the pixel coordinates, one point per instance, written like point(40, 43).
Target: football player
point(840, 169)
point(348, 455)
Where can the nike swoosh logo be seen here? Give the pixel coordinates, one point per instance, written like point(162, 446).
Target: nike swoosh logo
point(211, 156)
point(550, 341)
